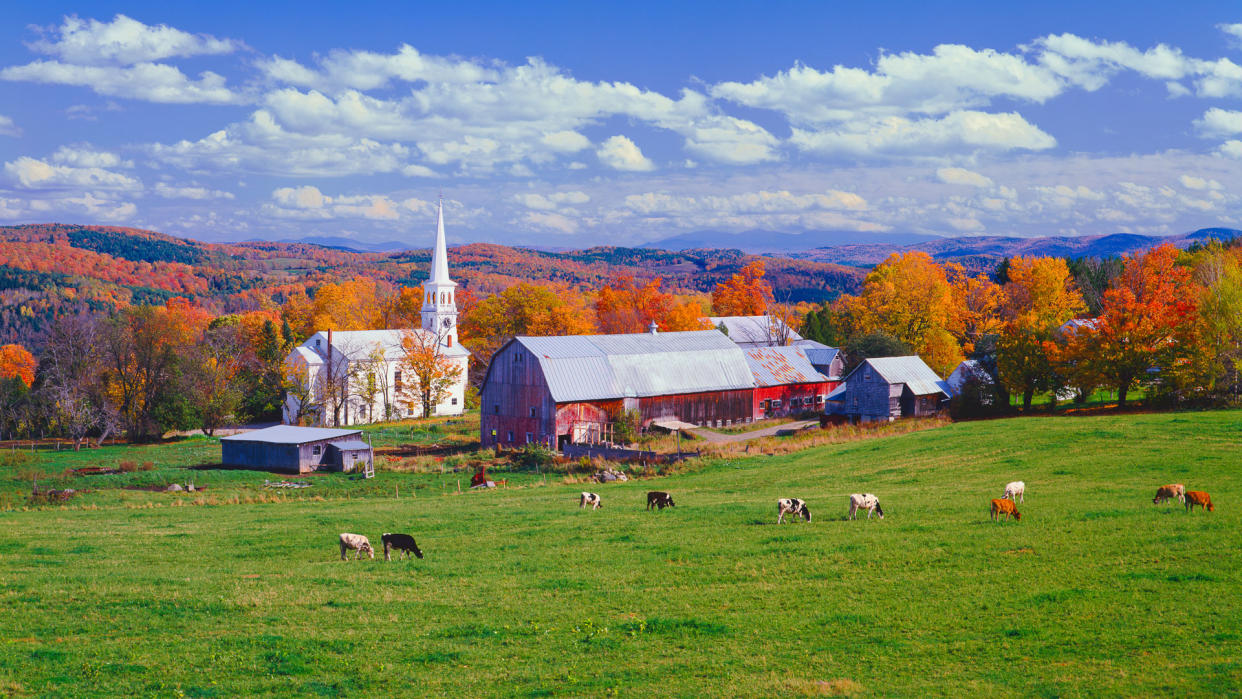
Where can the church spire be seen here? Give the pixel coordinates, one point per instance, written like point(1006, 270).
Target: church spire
point(439, 258)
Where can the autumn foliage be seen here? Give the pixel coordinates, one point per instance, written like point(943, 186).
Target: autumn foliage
point(17, 361)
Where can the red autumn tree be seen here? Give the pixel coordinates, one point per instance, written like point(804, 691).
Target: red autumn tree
point(630, 306)
point(744, 294)
point(16, 360)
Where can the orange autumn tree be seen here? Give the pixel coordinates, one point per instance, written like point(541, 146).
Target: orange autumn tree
point(1039, 297)
point(976, 306)
point(908, 296)
point(744, 294)
point(17, 361)
point(629, 306)
point(1148, 321)
point(522, 309)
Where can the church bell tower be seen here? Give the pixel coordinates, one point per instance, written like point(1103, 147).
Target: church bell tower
point(439, 292)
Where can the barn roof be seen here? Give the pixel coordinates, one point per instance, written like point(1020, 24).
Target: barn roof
point(911, 371)
point(359, 344)
point(290, 434)
point(608, 367)
point(350, 444)
point(752, 330)
point(779, 366)
point(819, 353)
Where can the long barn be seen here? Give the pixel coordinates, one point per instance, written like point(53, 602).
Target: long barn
point(555, 390)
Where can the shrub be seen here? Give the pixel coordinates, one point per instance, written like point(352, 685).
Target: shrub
point(127, 466)
point(534, 456)
point(147, 466)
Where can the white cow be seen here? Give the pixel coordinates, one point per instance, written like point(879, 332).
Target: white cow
point(865, 501)
point(591, 499)
point(792, 506)
point(356, 542)
point(1015, 491)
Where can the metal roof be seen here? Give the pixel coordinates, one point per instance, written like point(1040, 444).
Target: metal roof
point(967, 370)
point(290, 434)
point(608, 367)
point(780, 366)
point(350, 445)
point(752, 330)
point(359, 344)
point(819, 353)
point(837, 394)
point(911, 371)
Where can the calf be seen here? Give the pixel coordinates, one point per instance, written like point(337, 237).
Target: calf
point(659, 499)
point(591, 499)
point(792, 506)
point(1168, 492)
point(356, 542)
point(1006, 508)
point(1015, 491)
point(402, 542)
point(1200, 498)
point(865, 501)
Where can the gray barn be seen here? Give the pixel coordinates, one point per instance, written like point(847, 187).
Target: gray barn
point(886, 388)
point(291, 449)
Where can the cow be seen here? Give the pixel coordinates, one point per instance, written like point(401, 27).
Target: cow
point(1015, 491)
point(792, 506)
point(591, 499)
point(1168, 492)
point(1200, 498)
point(356, 542)
point(1006, 508)
point(402, 542)
point(659, 499)
point(865, 501)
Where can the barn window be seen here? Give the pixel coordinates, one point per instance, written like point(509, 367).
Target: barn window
point(317, 343)
point(454, 401)
point(495, 408)
point(316, 450)
point(867, 373)
point(510, 436)
point(532, 411)
point(530, 437)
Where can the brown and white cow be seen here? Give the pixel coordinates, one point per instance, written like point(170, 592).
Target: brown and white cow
point(1168, 492)
point(1200, 498)
point(1006, 508)
point(355, 542)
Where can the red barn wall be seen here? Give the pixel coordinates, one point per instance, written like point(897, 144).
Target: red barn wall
point(786, 393)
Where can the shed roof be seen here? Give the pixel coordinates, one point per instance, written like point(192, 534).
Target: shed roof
point(608, 367)
point(780, 366)
point(819, 353)
point(290, 434)
point(350, 444)
point(752, 330)
point(911, 371)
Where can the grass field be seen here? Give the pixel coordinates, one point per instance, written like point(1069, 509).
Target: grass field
point(1095, 592)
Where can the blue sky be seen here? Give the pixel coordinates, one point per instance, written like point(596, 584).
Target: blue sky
point(579, 124)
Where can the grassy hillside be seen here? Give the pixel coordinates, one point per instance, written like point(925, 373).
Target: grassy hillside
point(1096, 591)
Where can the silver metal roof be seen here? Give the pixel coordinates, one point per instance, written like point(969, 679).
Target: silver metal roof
point(780, 366)
point(350, 445)
point(290, 434)
point(752, 330)
point(359, 344)
point(911, 370)
point(819, 353)
point(609, 367)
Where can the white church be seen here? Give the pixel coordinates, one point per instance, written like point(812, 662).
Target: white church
point(354, 377)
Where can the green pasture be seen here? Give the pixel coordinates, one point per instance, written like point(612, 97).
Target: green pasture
point(1096, 592)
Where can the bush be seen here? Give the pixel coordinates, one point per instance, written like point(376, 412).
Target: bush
point(534, 456)
point(127, 466)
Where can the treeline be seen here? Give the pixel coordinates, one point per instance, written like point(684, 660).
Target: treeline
point(1167, 321)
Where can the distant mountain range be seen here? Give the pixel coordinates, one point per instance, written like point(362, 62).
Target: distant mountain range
point(339, 243)
point(983, 251)
point(775, 242)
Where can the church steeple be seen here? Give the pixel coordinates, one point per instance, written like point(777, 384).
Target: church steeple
point(439, 291)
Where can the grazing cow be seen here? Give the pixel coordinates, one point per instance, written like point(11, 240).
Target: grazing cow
point(1200, 498)
point(591, 499)
point(1168, 492)
point(402, 542)
point(865, 501)
point(659, 499)
point(1015, 491)
point(1006, 508)
point(792, 506)
point(356, 542)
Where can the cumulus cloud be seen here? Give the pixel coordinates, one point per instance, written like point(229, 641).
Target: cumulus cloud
point(782, 201)
point(551, 202)
point(620, 153)
point(8, 128)
point(957, 175)
point(957, 132)
point(1192, 182)
point(30, 173)
point(1217, 122)
point(87, 157)
point(126, 41)
point(551, 221)
point(308, 202)
point(168, 191)
point(367, 70)
point(153, 82)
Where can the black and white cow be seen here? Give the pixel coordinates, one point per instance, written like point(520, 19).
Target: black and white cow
point(792, 506)
point(589, 500)
point(865, 501)
point(402, 542)
point(659, 499)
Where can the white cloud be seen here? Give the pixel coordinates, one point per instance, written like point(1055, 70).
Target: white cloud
point(201, 193)
point(127, 41)
point(1090, 64)
point(366, 70)
point(551, 221)
point(153, 82)
point(764, 201)
point(620, 153)
point(1192, 182)
point(30, 173)
point(1217, 122)
point(1231, 149)
point(307, 202)
point(956, 133)
point(85, 156)
point(957, 175)
point(965, 225)
point(8, 128)
point(551, 202)
point(1234, 30)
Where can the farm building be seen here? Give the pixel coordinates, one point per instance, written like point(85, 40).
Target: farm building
point(886, 388)
point(557, 390)
point(826, 360)
point(968, 370)
point(290, 449)
point(756, 331)
point(785, 382)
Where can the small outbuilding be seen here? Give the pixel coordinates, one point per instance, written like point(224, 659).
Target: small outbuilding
point(886, 388)
point(291, 449)
point(966, 372)
point(785, 382)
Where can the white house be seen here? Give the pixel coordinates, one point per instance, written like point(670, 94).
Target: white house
point(356, 376)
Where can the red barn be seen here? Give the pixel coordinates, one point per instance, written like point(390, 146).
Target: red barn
point(785, 382)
